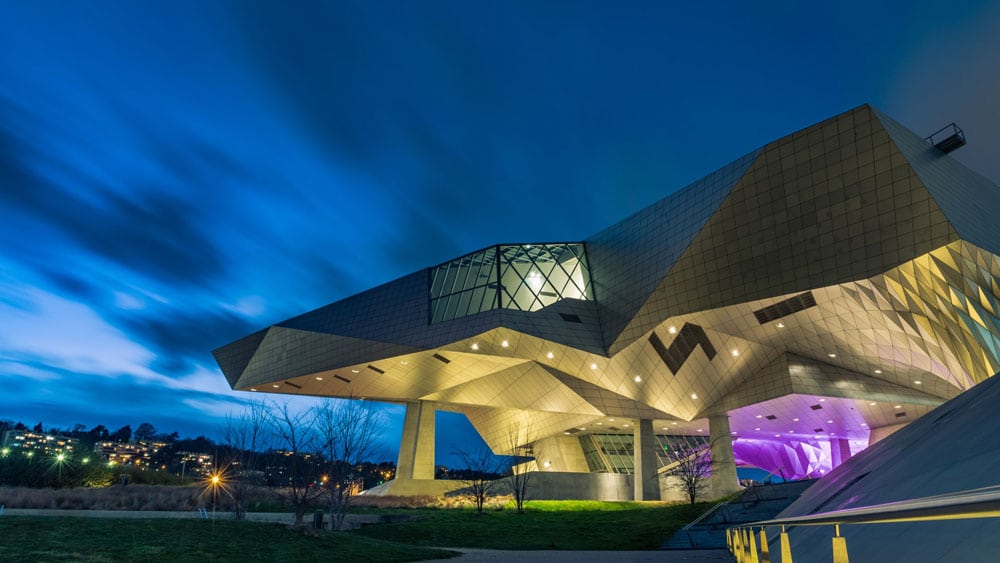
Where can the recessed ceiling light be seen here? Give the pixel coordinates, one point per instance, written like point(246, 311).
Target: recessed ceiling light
point(757, 429)
point(253, 388)
point(878, 371)
point(781, 325)
point(475, 346)
point(894, 406)
point(735, 352)
point(822, 400)
point(864, 424)
point(318, 378)
point(354, 371)
point(275, 386)
point(582, 428)
point(611, 420)
point(505, 343)
point(638, 379)
point(777, 435)
point(673, 424)
point(795, 420)
point(600, 424)
point(404, 362)
point(872, 404)
point(664, 428)
point(549, 355)
point(701, 430)
point(694, 395)
point(832, 355)
point(593, 366)
point(672, 330)
point(918, 382)
point(833, 433)
point(733, 432)
point(625, 425)
point(566, 433)
point(829, 422)
point(791, 432)
point(760, 416)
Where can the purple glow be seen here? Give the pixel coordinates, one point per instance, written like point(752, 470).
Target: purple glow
point(794, 458)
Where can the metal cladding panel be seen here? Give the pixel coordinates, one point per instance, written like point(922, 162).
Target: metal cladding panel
point(629, 259)
point(952, 448)
point(832, 203)
point(233, 359)
point(968, 200)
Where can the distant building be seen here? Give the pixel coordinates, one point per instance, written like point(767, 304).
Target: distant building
point(139, 453)
point(37, 443)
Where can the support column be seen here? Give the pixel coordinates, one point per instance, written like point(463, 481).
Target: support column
point(416, 449)
point(647, 482)
point(724, 479)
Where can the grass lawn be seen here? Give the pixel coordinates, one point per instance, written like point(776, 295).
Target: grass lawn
point(544, 525)
point(30, 538)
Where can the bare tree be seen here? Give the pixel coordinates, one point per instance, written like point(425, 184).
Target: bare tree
point(521, 476)
point(693, 467)
point(347, 432)
point(245, 435)
point(295, 435)
point(482, 467)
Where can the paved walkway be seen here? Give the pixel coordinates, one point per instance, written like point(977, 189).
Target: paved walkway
point(350, 522)
point(550, 556)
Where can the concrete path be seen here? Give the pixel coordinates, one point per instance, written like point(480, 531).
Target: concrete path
point(352, 521)
point(551, 556)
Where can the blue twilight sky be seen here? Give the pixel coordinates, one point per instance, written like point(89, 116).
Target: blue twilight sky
point(175, 175)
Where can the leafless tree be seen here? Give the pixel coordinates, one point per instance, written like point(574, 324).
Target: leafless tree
point(520, 476)
point(347, 431)
point(246, 435)
point(693, 467)
point(295, 436)
point(483, 468)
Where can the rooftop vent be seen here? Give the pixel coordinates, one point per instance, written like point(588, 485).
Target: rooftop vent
point(947, 139)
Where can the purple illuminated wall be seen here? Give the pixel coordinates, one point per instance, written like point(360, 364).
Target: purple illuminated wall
point(795, 458)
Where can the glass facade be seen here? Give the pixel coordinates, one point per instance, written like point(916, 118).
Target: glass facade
point(523, 277)
point(614, 453)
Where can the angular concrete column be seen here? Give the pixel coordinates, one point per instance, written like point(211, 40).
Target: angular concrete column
point(724, 480)
point(647, 482)
point(416, 449)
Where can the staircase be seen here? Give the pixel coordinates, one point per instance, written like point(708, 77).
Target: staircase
point(759, 502)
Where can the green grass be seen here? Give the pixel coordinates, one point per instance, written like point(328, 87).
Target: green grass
point(29, 538)
point(569, 525)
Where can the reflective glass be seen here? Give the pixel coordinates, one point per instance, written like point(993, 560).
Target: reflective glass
point(531, 277)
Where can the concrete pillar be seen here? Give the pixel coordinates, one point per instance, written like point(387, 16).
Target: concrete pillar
point(416, 449)
point(647, 482)
point(724, 479)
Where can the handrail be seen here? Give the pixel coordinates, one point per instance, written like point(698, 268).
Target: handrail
point(973, 503)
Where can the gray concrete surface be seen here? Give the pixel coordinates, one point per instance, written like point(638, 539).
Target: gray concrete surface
point(491, 555)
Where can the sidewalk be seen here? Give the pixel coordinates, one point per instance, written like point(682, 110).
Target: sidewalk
point(551, 556)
